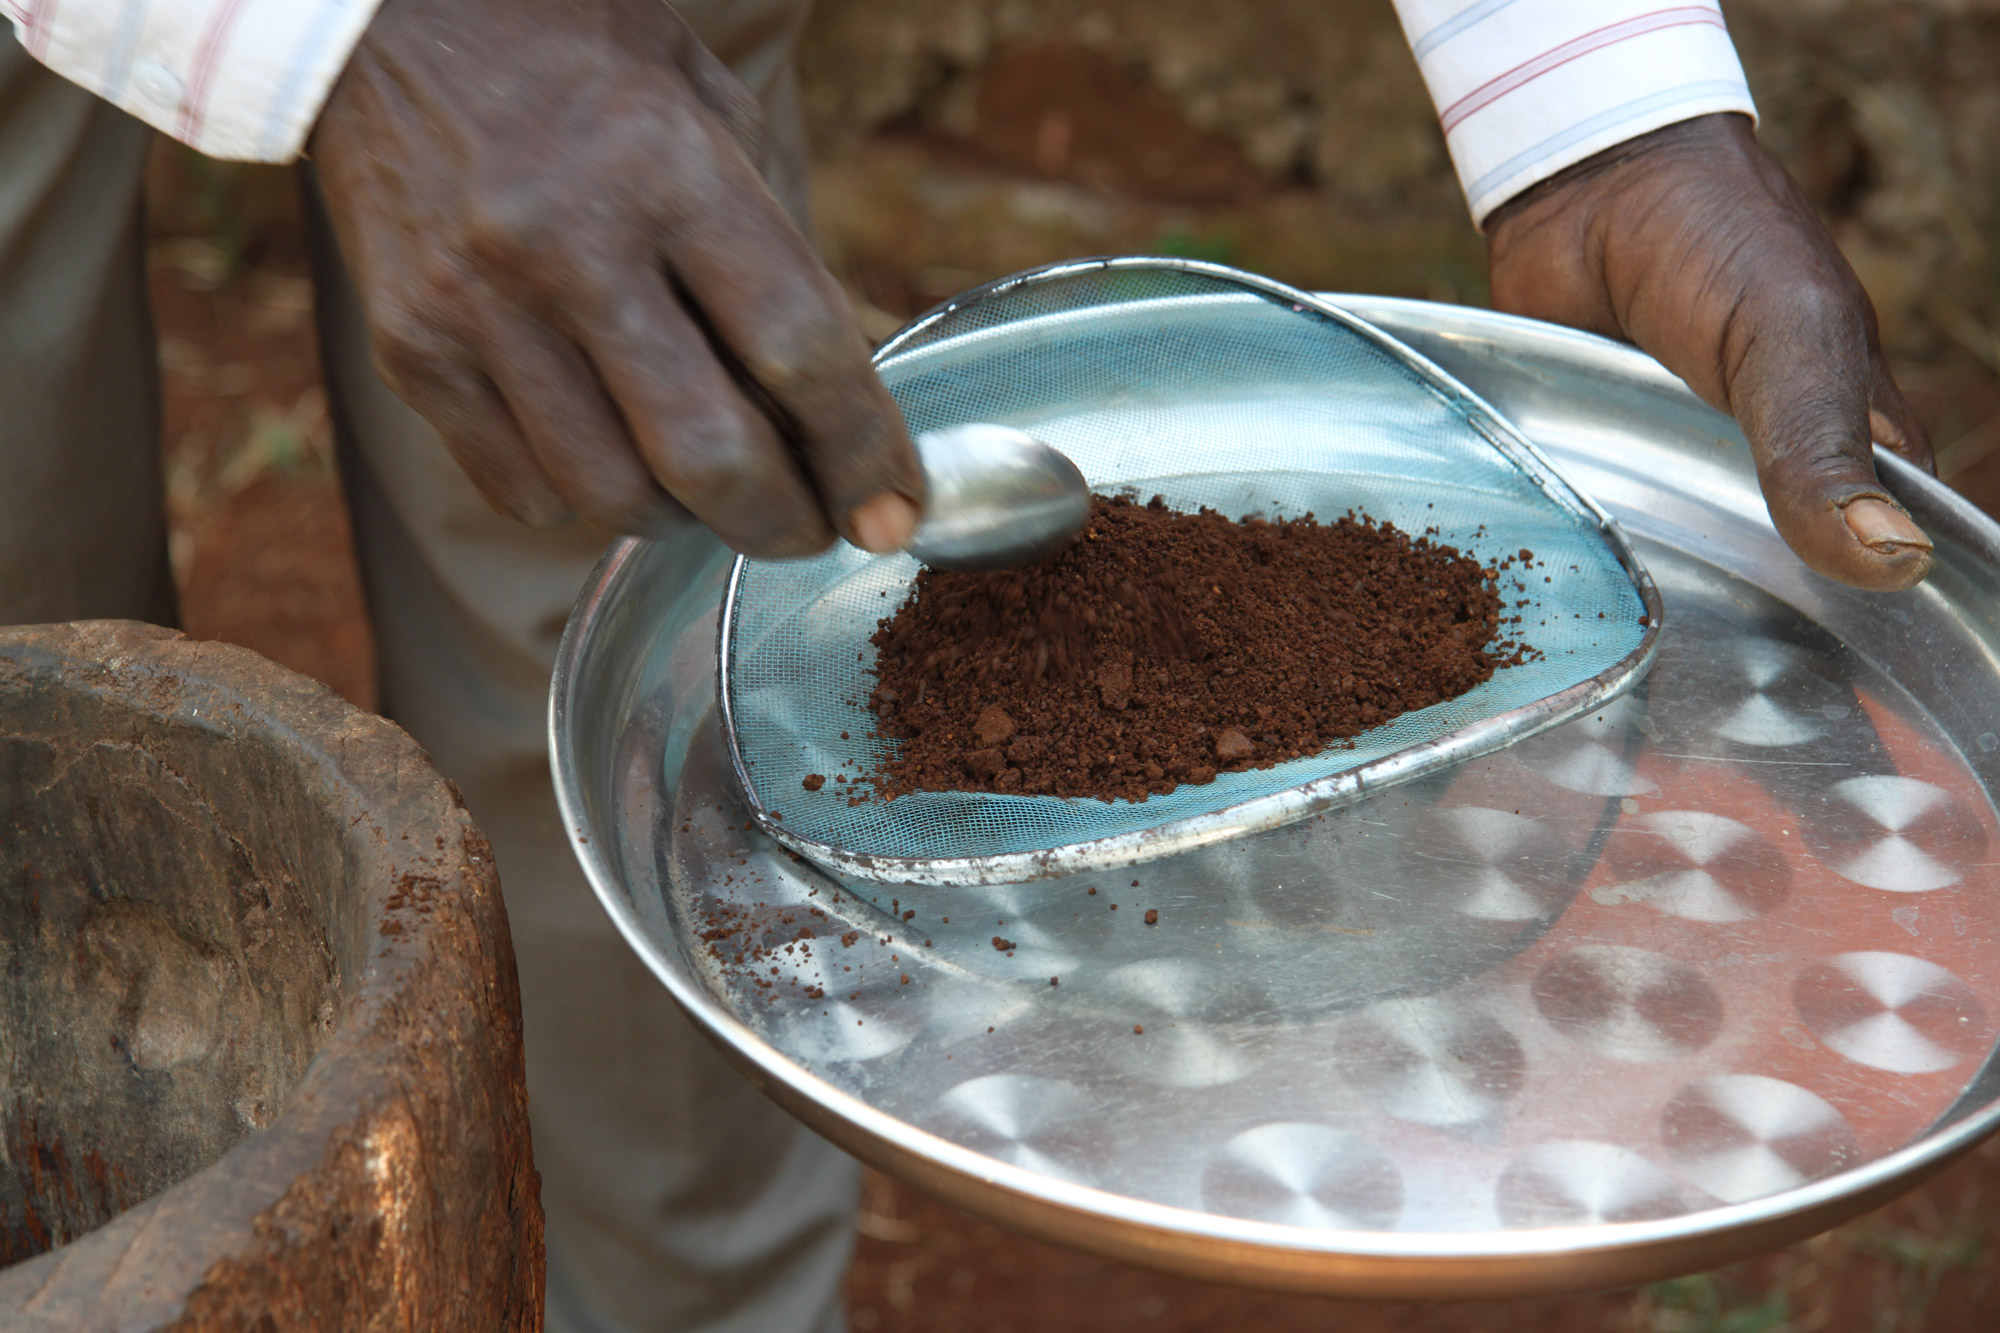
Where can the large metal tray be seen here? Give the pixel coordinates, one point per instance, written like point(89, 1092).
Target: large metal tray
point(1699, 974)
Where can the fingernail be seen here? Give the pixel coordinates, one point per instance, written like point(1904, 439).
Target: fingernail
point(883, 522)
point(1883, 528)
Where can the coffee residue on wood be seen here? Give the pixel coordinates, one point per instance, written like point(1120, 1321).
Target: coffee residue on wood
point(1162, 648)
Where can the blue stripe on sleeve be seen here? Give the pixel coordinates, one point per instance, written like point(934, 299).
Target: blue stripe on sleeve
point(123, 43)
point(311, 44)
point(1604, 120)
point(1465, 18)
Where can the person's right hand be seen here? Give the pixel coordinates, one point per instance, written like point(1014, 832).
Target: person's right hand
point(572, 268)
point(1692, 242)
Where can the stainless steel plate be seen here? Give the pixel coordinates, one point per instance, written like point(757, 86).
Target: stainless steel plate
point(1702, 973)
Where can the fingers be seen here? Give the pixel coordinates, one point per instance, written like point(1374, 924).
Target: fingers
point(544, 441)
point(1894, 423)
point(783, 321)
point(1803, 384)
point(478, 431)
point(575, 432)
point(696, 431)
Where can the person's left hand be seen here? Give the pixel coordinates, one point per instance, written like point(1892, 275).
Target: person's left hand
point(1692, 243)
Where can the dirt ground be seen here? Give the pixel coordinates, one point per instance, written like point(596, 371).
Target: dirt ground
point(956, 140)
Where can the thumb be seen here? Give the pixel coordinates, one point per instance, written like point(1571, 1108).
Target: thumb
point(1801, 391)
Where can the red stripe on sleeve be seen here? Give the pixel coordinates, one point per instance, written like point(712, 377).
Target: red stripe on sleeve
point(221, 22)
point(1486, 94)
point(38, 17)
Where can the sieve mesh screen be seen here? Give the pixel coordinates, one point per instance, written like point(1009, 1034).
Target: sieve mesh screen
point(1205, 388)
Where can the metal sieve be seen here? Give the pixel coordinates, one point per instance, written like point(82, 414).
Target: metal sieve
point(1207, 386)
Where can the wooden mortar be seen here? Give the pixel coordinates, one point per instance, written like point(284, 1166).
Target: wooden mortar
point(259, 1027)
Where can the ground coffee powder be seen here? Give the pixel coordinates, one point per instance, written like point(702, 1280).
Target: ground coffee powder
point(1161, 648)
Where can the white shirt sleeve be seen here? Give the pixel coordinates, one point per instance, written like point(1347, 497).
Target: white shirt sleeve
point(238, 79)
point(1525, 88)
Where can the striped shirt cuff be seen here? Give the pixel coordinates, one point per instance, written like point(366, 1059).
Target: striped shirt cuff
point(1525, 88)
point(242, 79)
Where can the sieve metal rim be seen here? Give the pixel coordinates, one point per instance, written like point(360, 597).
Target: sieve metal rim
point(1276, 809)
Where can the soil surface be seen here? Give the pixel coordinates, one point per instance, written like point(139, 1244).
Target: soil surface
point(1160, 648)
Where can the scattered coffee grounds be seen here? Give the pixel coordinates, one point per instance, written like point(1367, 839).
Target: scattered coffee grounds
point(1152, 916)
point(1161, 648)
point(752, 942)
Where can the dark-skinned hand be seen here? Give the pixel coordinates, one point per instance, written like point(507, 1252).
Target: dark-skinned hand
point(573, 269)
point(1694, 244)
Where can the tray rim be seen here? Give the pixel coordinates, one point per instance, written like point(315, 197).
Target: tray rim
point(1275, 809)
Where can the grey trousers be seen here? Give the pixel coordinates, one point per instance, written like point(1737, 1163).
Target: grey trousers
point(678, 1198)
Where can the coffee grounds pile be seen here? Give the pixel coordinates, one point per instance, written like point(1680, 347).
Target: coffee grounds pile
point(1161, 648)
